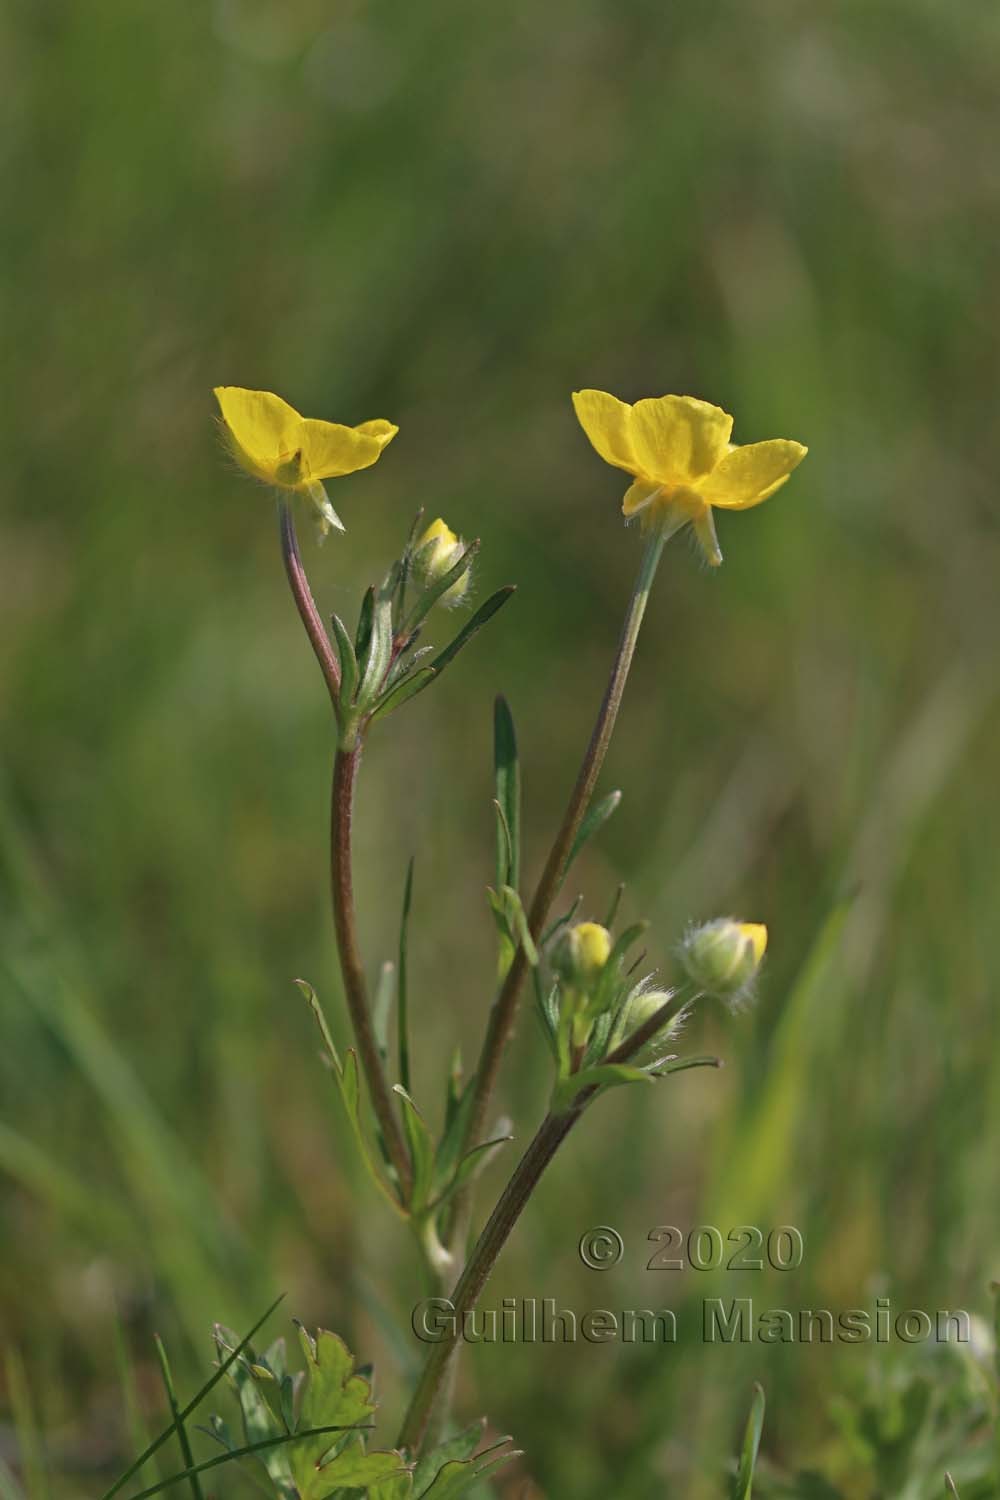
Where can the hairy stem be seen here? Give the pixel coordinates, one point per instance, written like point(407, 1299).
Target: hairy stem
point(306, 604)
point(345, 769)
point(504, 1011)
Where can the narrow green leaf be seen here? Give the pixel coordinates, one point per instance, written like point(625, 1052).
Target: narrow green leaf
point(602, 1075)
point(681, 1064)
point(485, 612)
point(244, 1452)
point(375, 661)
point(403, 1018)
point(561, 922)
point(950, 1487)
point(520, 923)
point(421, 1146)
point(616, 901)
point(470, 1166)
point(348, 660)
point(349, 1086)
point(449, 1150)
point(195, 1402)
point(593, 822)
point(366, 615)
point(182, 1438)
point(29, 1438)
point(743, 1485)
point(507, 780)
point(611, 973)
point(405, 662)
point(385, 993)
point(431, 595)
point(403, 692)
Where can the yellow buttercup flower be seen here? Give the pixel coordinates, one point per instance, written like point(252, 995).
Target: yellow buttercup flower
point(270, 440)
point(678, 451)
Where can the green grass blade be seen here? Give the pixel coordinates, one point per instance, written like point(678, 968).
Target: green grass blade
point(192, 1405)
point(743, 1485)
point(32, 1458)
point(507, 777)
point(245, 1452)
point(182, 1438)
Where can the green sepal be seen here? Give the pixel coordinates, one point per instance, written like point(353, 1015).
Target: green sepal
point(602, 1076)
point(604, 994)
point(431, 595)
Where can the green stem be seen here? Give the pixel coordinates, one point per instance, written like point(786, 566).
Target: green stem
point(345, 770)
point(437, 1376)
point(504, 1011)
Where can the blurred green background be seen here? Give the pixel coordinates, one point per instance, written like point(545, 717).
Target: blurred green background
point(452, 215)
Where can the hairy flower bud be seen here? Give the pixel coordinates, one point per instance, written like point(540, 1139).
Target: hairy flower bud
point(436, 553)
point(723, 957)
point(641, 1008)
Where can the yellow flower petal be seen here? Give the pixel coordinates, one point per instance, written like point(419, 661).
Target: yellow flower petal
point(747, 475)
point(757, 934)
point(679, 439)
point(330, 450)
point(261, 426)
point(380, 429)
point(639, 495)
point(606, 422)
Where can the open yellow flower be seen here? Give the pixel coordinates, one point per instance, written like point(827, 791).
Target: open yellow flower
point(270, 440)
point(678, 451)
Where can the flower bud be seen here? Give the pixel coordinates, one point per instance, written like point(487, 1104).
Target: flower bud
point(581, 954)
point(436, 553)
point(723, 957)
point(642, 1006)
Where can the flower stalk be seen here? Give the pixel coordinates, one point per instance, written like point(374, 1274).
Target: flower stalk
point(345, 770)
point(504, 1011)
point(436, 1377)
